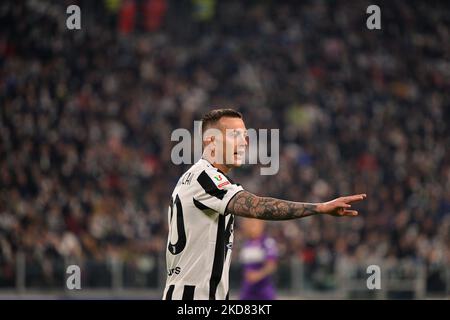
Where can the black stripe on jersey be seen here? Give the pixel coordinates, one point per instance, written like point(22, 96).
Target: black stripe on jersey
point(170, 292)
point(200, 205)
point(188, 292)
point(219, 260)
point(227, 236)
point(209, 186)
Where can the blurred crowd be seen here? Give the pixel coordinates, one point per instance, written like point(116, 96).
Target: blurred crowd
point(86, 118)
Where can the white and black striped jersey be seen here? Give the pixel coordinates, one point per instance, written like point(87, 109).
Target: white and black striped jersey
point(198, 253)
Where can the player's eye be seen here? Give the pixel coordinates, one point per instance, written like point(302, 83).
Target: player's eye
point(243, 135)
point(239, 134)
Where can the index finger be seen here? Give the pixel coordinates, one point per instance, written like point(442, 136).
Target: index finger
point(356, 197)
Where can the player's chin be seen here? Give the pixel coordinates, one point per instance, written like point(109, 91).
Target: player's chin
point(235, 162)
point(238, 161)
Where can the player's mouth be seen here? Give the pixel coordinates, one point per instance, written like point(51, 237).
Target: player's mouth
point(239, 156)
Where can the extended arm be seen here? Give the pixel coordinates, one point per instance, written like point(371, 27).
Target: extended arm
point(248, 205)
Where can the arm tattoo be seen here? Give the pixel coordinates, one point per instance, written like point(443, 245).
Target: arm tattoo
point(248, 205)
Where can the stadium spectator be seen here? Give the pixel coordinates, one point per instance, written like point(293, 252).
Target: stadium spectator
point(86, 118)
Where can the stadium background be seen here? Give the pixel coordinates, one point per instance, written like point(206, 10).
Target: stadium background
point(86, 118)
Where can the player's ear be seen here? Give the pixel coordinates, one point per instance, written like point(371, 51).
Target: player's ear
point(207, 140)
point(213, 140)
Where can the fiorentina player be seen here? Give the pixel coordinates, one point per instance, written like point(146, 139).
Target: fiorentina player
point(259, 261)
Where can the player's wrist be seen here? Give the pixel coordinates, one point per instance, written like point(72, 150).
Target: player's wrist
point(320, 208)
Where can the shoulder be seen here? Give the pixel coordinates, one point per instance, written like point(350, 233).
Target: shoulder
point(189, 177)
point(202, 166)
point(207, 173)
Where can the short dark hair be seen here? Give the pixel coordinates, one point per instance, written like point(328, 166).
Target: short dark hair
point(213, 116)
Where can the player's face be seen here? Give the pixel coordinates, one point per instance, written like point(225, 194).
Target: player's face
point(233, 141)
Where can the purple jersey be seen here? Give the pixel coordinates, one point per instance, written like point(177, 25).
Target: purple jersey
point(254, 254)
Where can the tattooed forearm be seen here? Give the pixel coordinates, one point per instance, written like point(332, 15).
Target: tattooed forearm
point(249, 205)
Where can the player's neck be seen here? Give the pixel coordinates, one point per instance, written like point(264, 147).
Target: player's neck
point(219, 166)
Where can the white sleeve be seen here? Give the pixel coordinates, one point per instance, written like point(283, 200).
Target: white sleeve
point(215, 190)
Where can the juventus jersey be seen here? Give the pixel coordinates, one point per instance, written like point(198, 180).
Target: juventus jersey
point(198, 253)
